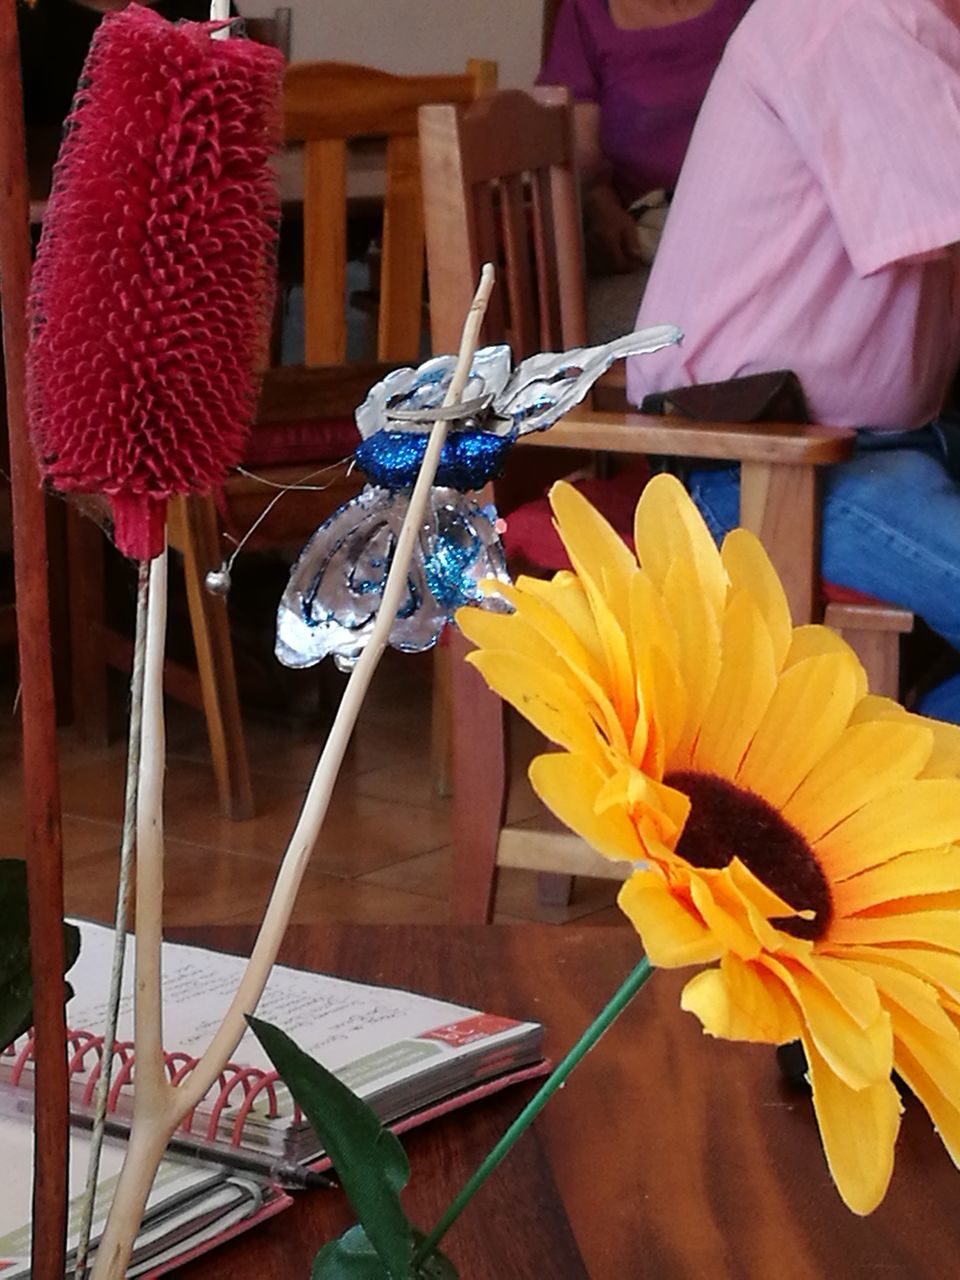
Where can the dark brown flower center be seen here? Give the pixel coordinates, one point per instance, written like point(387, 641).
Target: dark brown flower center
point(727, 822)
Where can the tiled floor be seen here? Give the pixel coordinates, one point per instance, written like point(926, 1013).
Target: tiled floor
point(384, 853)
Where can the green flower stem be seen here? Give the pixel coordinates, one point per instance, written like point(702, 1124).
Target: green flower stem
point(557, 1077)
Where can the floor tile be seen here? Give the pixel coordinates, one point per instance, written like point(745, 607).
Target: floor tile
point(383, 854)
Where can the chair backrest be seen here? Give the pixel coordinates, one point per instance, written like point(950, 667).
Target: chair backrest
point(327, 106)
point(273, 31)
point(500, 185)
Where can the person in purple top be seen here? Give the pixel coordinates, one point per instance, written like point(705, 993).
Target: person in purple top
point(638, 70)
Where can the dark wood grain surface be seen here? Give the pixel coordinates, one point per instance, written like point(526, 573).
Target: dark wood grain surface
point(667, 1155)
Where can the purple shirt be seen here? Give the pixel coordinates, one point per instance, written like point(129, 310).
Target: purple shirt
point(810, 226)
point(648, 84)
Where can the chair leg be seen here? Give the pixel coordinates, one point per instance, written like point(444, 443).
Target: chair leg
point(88, 662)
point(873, 632)
point(479, 789)
point(441, 722)
point(554, 889)
point(195, 532)
point(879, 651)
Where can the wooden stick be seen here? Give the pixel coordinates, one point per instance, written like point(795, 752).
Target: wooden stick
point(43, 841)
point(127, 845)
point(159, 1107)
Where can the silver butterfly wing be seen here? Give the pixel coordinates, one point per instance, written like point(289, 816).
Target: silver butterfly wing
point(331, 602)
point(548, 385)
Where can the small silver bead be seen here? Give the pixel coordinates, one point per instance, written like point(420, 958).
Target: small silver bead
point(217, 581)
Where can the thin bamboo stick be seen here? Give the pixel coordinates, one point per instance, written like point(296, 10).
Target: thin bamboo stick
point(159, 1106)
point(127, 845)
point(43, 841)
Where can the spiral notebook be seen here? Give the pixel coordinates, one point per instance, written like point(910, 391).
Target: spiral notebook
point(408, 1055)
point(193, 1204)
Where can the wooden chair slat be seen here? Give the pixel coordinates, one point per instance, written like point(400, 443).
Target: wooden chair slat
point(401, 274)
point(325, 252)
point(524, 323)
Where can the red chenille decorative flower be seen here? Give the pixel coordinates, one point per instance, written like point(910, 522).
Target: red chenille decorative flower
point(153, 284)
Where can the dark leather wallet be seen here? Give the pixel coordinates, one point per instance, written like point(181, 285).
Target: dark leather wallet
point(773, 397)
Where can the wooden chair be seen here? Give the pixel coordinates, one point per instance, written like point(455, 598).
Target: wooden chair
point(305, 417)
point(500, 184)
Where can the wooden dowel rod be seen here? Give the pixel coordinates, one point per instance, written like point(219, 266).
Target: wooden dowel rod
point(43, 841)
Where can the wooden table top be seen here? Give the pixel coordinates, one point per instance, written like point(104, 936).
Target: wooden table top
point(667, 1155)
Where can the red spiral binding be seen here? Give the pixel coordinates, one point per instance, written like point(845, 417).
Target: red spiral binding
point(252, 1080)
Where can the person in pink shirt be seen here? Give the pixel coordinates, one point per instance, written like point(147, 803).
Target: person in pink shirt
point(815, 228)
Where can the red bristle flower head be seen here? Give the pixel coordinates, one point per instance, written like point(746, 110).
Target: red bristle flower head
point(153, 285)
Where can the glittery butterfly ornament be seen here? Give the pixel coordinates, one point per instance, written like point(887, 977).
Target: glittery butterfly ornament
point(331, 601)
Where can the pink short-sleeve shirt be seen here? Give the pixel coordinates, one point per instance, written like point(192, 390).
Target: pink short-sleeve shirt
point(813, 215)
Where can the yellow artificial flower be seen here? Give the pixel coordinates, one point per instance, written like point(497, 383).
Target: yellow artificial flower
point(788, 828)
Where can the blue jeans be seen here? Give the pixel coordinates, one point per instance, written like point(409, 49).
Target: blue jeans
point(891, 528)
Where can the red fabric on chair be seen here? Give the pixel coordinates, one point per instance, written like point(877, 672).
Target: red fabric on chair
point(317, 440)
point(530, 536)
point(835, 594)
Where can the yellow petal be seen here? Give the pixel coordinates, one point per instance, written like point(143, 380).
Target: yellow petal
point(746, 899)
point(569, 785)
point(813, 639)
point(927, 1052)
point(724, 914)
point(867, 761)
point(926, 871)
point(545, 699)
point(748, 567)
point(661, 702)
point(597, 551)
point(565, 594)
point(650, 624)
point(859, 1055)
point(664, 696)
point(562, 651)
point(944, 759)
point(620, 678)
point(906, 993)
point(858, 1128)
point(673, 934)
point(943, 1111)
point(913, 815)
point(851, 988)
point(804, 719)
point(698, 640)
point(929, 928)
point(745, 684)
point(937, 968)
point(514, 633)
point(642, 797)
point(920, 902)
point(741, 1001)
point(669, 528)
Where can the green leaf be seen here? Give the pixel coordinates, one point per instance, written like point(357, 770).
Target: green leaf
point(353, 1257)
point(16, 982)
point(369, 1160)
